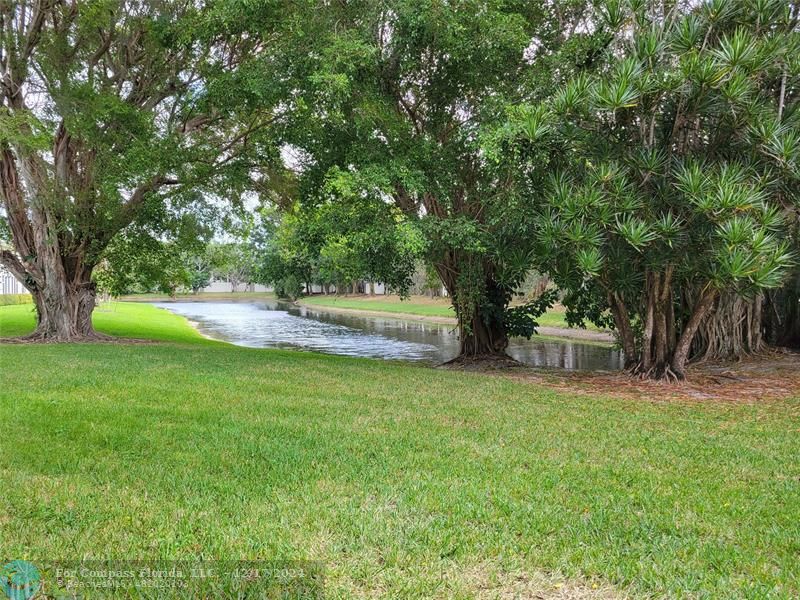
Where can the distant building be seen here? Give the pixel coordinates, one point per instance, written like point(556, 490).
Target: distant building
point(10, 284)
point(222, 285)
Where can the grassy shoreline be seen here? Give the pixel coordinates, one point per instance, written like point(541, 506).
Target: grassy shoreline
point(422, 306)
point(202, 297)
point(404, 481)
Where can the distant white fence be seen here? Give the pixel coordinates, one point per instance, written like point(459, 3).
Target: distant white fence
point(9, 284)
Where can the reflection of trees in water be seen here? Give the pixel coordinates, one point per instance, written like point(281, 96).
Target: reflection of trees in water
point(282, 325)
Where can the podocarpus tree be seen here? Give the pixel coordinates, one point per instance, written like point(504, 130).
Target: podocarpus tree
point(110, 110)
point(397, 95)
point(687, 149)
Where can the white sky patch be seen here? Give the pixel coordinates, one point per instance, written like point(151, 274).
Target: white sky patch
point(294, 158)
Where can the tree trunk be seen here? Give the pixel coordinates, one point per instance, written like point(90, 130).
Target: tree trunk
point(481, 334)
point(735, 328)
point(658, 336)
point(681, 354)
point(64, 309)
point(622, 321)
point(479, 338)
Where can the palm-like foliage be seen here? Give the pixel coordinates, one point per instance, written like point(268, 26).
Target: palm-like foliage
point(686, 150)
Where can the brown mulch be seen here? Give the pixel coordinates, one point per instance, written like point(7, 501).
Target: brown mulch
point(773, 375)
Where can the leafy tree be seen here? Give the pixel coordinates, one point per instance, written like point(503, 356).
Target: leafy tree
point(198, 268)
point(394, 97)
point(111, 111)
point(342, 237)
point(687, 150)
point(285, 249)
point(135, 264)
point(232, 261)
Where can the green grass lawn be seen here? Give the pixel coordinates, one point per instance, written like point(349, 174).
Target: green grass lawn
point(404, 481)
point(202, 296)
point(556, 317)
point(416, 305)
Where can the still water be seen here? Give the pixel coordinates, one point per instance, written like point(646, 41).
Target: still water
point(275, 324)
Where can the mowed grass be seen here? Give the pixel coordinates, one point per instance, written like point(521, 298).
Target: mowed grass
point(415, 305)
point(406, 482)
point(199, 297)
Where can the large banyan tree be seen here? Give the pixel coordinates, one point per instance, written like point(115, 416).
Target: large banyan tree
point(681, 199)
point(110, 111)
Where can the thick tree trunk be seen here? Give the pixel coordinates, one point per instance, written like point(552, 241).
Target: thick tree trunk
point(479, 338)
point(64, 310)
point(733, 330)
point(701, 309)
point(482, 335)
point(658, 335)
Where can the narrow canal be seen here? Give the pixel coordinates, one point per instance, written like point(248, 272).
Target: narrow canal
point(275, 324)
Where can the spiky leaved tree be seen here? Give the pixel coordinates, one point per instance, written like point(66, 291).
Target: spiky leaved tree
point(687, 149)
point(108, 111)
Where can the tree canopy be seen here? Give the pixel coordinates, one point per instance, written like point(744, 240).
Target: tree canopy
point(111, 112)
point(397, 96)
point(684, 178)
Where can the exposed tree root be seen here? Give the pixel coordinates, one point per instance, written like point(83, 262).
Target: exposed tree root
point(481, 362)
point(95, 337)
point(661, 373)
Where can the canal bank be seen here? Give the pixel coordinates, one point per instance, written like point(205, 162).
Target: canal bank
point(276, 324)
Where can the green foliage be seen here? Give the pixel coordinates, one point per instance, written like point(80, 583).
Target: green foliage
point(288, 287)
point(136, 262)
point(680, 150)
point(13, 299)
point(163, 250)
point(198, 269)
point(521, 321)
point(342, 238)
point(234, 262)
point(405, 104)
point(118, 118)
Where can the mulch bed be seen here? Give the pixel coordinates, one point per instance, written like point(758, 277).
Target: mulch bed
point(773, 375)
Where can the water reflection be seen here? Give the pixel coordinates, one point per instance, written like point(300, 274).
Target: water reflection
point(274, 324)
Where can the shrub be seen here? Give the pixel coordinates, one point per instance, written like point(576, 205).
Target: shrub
point(11, 299)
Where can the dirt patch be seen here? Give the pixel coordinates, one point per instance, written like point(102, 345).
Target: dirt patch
point(483, 363)
point(485, 584)
point(773, 375)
